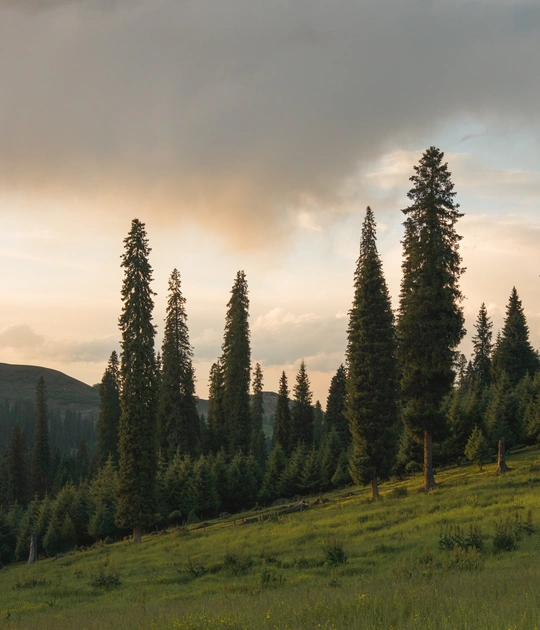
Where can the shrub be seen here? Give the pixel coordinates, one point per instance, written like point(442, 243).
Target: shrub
point(398, 493)
point(455, 536)
point(334, 553)
point(269, 578)
point(237, 564)
point(195, 569)
point(105, 579)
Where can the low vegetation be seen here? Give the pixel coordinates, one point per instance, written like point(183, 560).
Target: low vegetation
point(462, 556)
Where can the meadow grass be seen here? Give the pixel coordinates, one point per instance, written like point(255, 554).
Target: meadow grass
point(348, 563)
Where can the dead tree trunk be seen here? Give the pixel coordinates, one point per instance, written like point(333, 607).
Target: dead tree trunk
point(137, 535)
point(501, 458)
point(32, 556)
point(374, 487)
point(429, 478)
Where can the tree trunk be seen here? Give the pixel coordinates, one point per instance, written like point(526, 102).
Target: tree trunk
point(429, 479)
point(137, 535)
point(374, 487)
point(32, 556)
point(501, 458)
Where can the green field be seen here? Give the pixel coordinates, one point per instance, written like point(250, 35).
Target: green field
point(287, 572)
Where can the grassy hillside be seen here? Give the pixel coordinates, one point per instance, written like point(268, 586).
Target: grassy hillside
point(287, 571)
point(19, 382)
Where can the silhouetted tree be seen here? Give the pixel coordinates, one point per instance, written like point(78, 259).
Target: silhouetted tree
point(430, 318)
point(371, 385)
point(137, 433)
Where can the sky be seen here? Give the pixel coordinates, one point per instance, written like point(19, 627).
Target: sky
point(252, 135)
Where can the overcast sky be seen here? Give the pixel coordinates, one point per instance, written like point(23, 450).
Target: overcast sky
point(249, 134)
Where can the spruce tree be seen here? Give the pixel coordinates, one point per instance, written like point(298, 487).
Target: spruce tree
point(137, 432)
point(335, 407)
point(483, 348)
point(431, 321)
point(276, 464)
point(17, 488)
point(477, 448)
point(372, 385)
point(302, 415)
point(216, 429)
point(258, 441)
point(103, 491)
point(109, 413)
point(41, 456)
point(178, 420)
point(236, 361)
point(282, 420)
point(318, 423)
point(514, 353)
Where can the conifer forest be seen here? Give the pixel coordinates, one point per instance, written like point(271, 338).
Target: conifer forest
point(405, 401)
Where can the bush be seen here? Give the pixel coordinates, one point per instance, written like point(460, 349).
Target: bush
point(237, 564)
point(269, 578)
point(455, 536)
point(105, 579)
point(334, 554)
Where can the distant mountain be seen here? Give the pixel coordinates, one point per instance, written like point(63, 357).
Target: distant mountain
point(18, 382)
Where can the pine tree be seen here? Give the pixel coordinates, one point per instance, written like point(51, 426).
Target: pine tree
point(372, 385)
point(302, 409)
point(477, 448)
point(178, 420)
point(82, 462)
point(216, 430)
point(41, 456)
point(258, 441)
point(318, 423)
point(276, 464)
point(430, 319)
point(236, 361)
point(17, 488)
point(331, 450)
point(109, 413)
point(500, 417)
point(335, 407)
point(203, 488)
point(514, 353)
point(283, 421)
point(483, 348)
point(137, 432)
point(103, 491)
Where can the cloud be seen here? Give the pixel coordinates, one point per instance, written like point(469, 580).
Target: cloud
point(29, 345)
point(20, 337)
point(283, 337)
point(238, 115)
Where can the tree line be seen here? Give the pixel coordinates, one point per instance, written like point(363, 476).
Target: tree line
point(405, 400)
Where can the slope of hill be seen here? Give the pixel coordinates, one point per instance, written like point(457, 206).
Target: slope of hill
point(64, 392)
point(462, 556)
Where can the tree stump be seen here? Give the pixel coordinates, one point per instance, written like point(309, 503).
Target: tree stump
point(32, 556)
point(501, 458)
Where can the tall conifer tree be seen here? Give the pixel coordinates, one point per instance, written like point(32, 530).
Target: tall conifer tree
point(335, 407)
point(236, 361)
point(41, 456)
point(282, 420)
point(178, 420)
point(258, 441)
point(302, 409)
point(483, 348)
point(514, 353)
point(17, 488)
point(109, 413)
point(372, 385)
point(137, 435)
point(430, 320)
point(216, 430)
